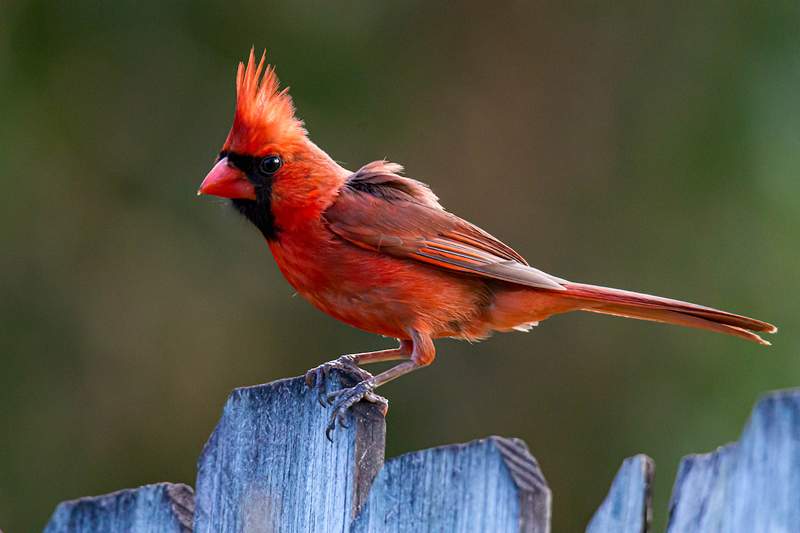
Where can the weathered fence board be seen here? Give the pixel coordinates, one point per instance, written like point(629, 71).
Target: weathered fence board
point(269, 467)
point(492, 484)
point(627, 508)
point(158, 508)
point(752, 485)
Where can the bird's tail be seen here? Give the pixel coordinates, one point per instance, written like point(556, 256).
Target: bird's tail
point(656, 309)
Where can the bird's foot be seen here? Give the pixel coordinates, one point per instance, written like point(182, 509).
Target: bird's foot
point(342, 400)
point(316, 376)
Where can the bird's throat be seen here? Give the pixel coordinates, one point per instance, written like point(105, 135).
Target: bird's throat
point(259, 212)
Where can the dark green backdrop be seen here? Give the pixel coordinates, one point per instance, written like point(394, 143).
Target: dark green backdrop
point(646, 146)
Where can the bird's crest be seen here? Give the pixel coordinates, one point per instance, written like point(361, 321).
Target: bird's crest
point(264, 113)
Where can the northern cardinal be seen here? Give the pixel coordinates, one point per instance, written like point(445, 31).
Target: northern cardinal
point(376, 250)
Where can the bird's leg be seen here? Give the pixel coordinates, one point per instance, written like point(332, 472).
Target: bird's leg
point(349, 363)
point(422, 354)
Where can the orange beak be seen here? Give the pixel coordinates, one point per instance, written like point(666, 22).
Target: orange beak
point(227, 181)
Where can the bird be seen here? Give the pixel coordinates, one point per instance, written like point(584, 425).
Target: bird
point(376, 250)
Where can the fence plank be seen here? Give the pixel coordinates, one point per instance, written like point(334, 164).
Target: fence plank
point(269, 467)
point(158, 508)
point(628, 506)
point(492, 484)
point(752, 485)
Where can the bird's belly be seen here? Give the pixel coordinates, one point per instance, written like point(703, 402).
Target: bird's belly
point(379, 293)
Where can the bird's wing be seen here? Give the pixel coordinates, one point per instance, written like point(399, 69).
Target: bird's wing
point(380, 210)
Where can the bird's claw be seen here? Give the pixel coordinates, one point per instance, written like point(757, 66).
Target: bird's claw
point(342, 400)
point(316, 376)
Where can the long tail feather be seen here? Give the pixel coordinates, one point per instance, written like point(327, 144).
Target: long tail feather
point(654, 308)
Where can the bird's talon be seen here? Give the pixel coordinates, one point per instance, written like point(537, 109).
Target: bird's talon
point(342, 400)
point(374, 398)
point(317, 376)
point(331, 396)
point(383, 403)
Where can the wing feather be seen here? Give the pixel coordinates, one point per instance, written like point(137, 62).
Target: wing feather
point(379, 210)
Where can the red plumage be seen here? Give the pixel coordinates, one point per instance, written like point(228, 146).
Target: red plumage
point(376, 250)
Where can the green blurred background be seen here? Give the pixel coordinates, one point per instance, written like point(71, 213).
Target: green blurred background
point(643, 146)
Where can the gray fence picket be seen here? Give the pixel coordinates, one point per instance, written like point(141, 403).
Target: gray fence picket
point(158, 508)
point(269, 467)
point(492, 484)
point(628, 506)
point(752, 485)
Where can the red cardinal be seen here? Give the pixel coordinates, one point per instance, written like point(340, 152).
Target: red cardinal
point(376, 250)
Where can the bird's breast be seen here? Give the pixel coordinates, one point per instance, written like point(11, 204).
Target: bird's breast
point(373, 291)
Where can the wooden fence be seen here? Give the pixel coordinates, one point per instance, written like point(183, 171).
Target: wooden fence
point(268, 467)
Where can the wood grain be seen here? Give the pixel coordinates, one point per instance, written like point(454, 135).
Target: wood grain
point(158, 508)
point(492, 484)
point(628, 506)
point(749, 486)
point(269, 467)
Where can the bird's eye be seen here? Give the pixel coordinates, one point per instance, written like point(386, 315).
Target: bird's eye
point(270, 165)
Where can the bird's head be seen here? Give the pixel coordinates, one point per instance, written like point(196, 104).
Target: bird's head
point(267, 161)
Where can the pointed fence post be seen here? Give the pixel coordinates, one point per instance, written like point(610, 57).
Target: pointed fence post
point(751, 485)
point(628, 506)
point(158, 508)
point(269, 467)
point(492, 484)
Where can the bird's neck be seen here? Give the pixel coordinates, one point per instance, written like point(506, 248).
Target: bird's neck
point(301, 198)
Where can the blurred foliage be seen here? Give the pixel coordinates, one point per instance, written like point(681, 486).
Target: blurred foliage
point(641, 145)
